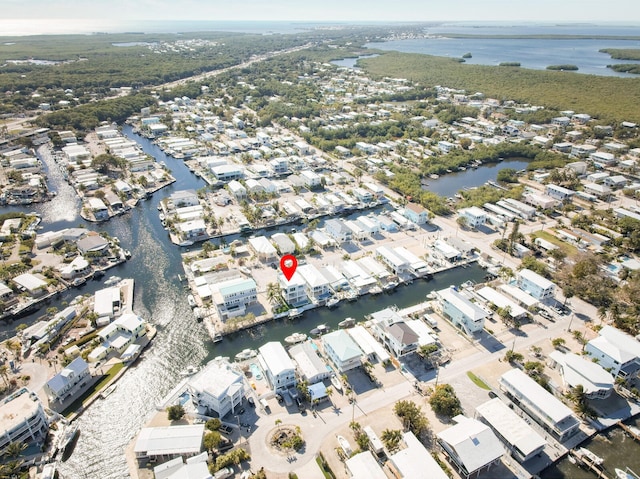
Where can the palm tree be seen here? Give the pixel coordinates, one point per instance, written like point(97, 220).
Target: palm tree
point(273, 293)
point(391, 438)
point(4, 372)
point(14, 449)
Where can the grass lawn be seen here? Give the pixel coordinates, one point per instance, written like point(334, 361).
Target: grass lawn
point(93, 390)
point(477, 381)
point(570, 250)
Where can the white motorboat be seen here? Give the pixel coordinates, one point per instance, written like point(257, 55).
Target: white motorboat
point(107, 392)
point(294, 313)
point(620, 474)
point(192, 301)
point(198, 313)
point(333, 302)
point(48, 471)
point(591, 457)
point(112, 280)
point(246, 354)
point(68, 435)
point(190, 371)
point(295, 338)
point(347, 323)
point(344, 444)
point(336, 383)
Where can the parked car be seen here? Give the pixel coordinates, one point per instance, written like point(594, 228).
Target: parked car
point(225, 429)
point(223, 473)
point(251, 402)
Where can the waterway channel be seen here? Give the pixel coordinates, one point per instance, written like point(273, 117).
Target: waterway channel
point(110, 424)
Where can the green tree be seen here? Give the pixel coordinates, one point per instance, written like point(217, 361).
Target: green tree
point(213, 424)
point(212, 440)
point(391, 439)
point(412, 417)
point(175, 412)
point(444, 401)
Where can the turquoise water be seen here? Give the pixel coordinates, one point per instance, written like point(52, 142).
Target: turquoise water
point(255, 371)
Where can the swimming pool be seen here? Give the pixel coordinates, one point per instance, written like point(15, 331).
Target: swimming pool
point(255, 371)
point(184, 398)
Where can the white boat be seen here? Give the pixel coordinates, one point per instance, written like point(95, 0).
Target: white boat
point(192, 301)
point(620, 474)
point(320, 329)
point(347, 323)
point(344, 444)
point(333, 302)
point(246, 354)
point(375, 290)
point(162, 217)
point(68, 435)
point(190, 371)
point(48, 471)
point(591, 457)
point(113, 280)
point(294, 313)
point(185, 243)
point(336, 383)
point(390, 285)
point(295, 338)
point(107, 392)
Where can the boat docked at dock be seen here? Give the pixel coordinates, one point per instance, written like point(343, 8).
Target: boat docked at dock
point(198, 313)
point(333, 302)
point(295, 338)
point(192, 301)
point(67, 436)
point(320, 329)
point(295, 313)
point(246, 354)
point(625, 474)
point(347, 323)
point(586, 454)
point(189, 371)
point(107, 392)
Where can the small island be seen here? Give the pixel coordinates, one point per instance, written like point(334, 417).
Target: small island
point(467, 55)
point(563, 68)
point(509, 64)
point(626, 68)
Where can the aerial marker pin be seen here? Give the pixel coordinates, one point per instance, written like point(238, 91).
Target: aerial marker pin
point(288, 265)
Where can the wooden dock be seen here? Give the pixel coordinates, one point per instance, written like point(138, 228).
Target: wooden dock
point(584, 461)
point(633, 432)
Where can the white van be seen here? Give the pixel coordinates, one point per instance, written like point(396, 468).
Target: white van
point(431, 321)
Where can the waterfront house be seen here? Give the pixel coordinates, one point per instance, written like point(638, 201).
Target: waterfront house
point(471, 446)
point(390, 258)
point(92, 243)
point(160, 443)
point(416, 213)
point(192, 230)
point(548, 411)
point(537, 286)
point(316, 285)
point(22, 419)
point(473, 216)
point(77, 268)
point(98, 208)
point(118, 336)
point(69, 382)
point(278, 366)
point(359, 279)
point(30, 283)
point(371, 349)
point(492, 296)
point(463, 313)
point(363, 195)
point(414, 461)
point(311, 368)
point(226, 173)
point(231, 297)
point(597, 382)
point(311, 179)
point(184, 198)
point(522, 441)
point(341, 350)
point(615, 351)
point(294, 290)
point(218, 389)
point(238, 191)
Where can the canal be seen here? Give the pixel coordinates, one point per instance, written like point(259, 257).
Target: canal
point(110, 424)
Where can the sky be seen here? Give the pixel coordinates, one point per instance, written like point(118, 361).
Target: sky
point(52, 14)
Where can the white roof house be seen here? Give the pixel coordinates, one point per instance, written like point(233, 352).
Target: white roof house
point(169, 441)
point(461, 311)
point(395, 262)
point(277, 365)
point(283, 243)
point(343, 352)
point(445, 250)
point(541, 405)
point(471, 445)
point(68, 382)
point(194, 468)
point(217, 389)
point(616, 351)
point(537, 286)
point(597, 382)
point(368, 344)
point(372, 267)
point(30, 282)
point(263, 248)
point(310, 367)
point(501, 301)
point(523, 298)
point(519, 437)
point(364, 466)
point(415, 461)
point(317, 286)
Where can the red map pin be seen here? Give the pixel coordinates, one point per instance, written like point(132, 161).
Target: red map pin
point(288, 265)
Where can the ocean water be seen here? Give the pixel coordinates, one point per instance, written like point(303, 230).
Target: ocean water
point(533, 53)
